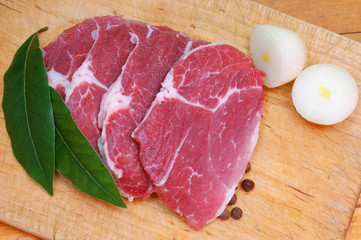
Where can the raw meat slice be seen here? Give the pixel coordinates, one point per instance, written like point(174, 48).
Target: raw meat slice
point(124, 106)
point(99, 71)
point(198, 135)
point(66, 54)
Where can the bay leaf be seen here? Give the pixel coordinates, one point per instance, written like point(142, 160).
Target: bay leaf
point(77, 160)
point(28, 113)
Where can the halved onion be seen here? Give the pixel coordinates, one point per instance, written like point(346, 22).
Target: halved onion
point(279, 52)
point(325, 94)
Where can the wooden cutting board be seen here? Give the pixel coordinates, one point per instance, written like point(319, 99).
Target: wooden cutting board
point(308, 177)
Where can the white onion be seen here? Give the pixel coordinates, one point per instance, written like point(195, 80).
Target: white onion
point(279, 52)
point(325, 94)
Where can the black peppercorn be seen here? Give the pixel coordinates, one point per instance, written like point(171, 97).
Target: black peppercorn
point(224, 215)
point(233, 200)
point(236, 213)
point(247, 185)
point(248, 168)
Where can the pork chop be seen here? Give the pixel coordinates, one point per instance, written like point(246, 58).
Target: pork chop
point(101, 67)
point(200, 131)
point(125, 105)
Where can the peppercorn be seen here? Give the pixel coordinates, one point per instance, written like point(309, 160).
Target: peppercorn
point(224, 215)
point(247, 185)
point(248, 168)
point(236, 213)
point(233, 200)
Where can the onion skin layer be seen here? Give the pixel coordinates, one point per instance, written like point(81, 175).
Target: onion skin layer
point(279, 52)
point(325, 94)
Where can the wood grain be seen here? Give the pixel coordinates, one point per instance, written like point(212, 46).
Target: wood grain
point(10, 233)
point(307, 177)
point(354, 231)
point(342, 16)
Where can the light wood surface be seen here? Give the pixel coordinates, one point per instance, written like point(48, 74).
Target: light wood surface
point(341, 16)
point(10, 233)
point(307, 177)
point(354, 231)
